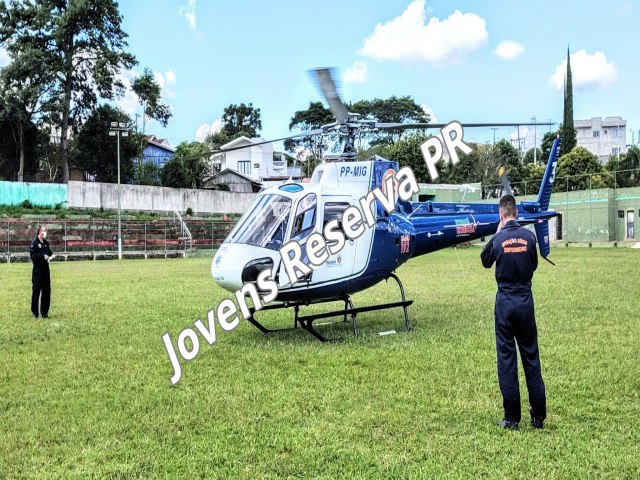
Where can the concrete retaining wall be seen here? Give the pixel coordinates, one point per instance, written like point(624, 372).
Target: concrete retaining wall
point(133, 197)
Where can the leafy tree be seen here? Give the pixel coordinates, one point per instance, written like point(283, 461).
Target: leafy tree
point(504, 153)
point(532, 178)
point(10, 149)
point(23, 91)
point(174, 174)
point(148, 92)
point(567, 130)
point(187, 167)
point(626, 168)
point(82, 46)
point(148, 174)
point(391, 110)
point(529, 156)
point(215, 140)
point(315, 116)
point(547, 144)
point(407, 153)
point(241, 120)
point(583, 170)
point(95, 150)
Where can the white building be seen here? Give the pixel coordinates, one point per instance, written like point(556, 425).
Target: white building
point(254, 161)
point(603, 138)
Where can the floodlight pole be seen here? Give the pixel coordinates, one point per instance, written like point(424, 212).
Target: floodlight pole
point(535, 139)
point(116, 129)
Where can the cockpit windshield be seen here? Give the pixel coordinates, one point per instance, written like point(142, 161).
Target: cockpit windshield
point(265, 224)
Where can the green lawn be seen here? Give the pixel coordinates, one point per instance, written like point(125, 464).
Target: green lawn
point(86, 393)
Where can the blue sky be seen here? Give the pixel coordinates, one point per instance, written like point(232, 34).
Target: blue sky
point(447, 55)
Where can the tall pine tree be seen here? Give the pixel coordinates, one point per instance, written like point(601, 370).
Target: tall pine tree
point(567, 131)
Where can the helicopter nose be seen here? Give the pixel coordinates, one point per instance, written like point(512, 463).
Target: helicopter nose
point(236, 264)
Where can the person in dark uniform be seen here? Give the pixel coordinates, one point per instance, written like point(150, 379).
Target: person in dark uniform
point(513, 249)
point(41, 255)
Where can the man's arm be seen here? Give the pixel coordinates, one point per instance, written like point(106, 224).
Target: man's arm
point(487, 256)
point(534, 254)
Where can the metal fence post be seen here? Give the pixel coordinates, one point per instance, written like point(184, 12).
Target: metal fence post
point(65, 236)
point(165, 238)
point(145, 237)
point(93, 242)
point(8, 236)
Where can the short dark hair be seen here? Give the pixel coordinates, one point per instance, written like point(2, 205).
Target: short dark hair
point(508, 206)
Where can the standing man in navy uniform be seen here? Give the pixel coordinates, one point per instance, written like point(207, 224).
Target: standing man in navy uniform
point(513, 249)
point(41, 255)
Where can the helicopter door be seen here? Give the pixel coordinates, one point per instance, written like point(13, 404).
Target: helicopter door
point(304, 224)
point(339, 265)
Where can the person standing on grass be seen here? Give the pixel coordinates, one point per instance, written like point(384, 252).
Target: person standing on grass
point(41, 255)
point(513, 249)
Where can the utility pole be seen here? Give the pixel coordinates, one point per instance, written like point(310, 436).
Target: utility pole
point(494, 135)
point(535, 140)
point(118, 128)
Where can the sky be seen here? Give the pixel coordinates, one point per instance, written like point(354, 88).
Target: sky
point(469, 61)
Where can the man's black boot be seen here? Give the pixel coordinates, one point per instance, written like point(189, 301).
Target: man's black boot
point(537, 422)
point(508, 424)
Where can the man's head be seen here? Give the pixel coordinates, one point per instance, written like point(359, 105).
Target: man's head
point(508, 209)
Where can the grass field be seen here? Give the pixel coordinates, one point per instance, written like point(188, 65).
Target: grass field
point(86, 393)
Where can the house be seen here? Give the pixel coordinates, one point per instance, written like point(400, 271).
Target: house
point(602, 137)
point(232, 181)
point(157, 150)
point(254, 162)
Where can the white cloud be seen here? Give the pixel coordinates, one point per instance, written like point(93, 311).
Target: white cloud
point(204, 130)
point(508, 50)
point(129, 102)
point(356, 73)
point(4, 57)
point(188, 11)
point(165, 80)
point(407, 38)
point(587, 71)
point(428, 110)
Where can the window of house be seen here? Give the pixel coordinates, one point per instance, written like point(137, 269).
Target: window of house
point(615, 132)
point(620, 213)
point(596, 133)
point(244, 167)
point(615, 150)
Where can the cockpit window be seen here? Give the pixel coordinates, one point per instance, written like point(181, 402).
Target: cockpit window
point(265, 224)
point(305, 217)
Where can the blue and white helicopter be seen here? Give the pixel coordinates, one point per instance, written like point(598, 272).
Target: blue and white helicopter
point(295, 210)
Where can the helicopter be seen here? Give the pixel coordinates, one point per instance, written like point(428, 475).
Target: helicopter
point(294, 211)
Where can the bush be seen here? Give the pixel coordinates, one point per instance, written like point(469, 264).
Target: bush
point(189, 211)
point(26, 204)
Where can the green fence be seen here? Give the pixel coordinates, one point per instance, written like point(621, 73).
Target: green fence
point(41, 194)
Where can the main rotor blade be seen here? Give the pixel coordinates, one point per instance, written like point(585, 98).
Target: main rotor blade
point(330, 92)
point(441, 125)
point(263, 142)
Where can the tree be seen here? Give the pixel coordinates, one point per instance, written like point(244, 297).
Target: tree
point(95, 151)
point(580, 170)
point(391, 110)
point(187, 167)
point(23, 92)
point(314, 117)
point(529, 156)
point(567, 130)
point(407, 153)
point(148, 92)
point(82, 46)
point(148, 174)
point(241, 120)
point(626, 168)
point(547, 144)
point(174, 174)
point(10, 149)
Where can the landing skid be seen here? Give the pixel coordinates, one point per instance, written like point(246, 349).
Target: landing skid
point(306, 321)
